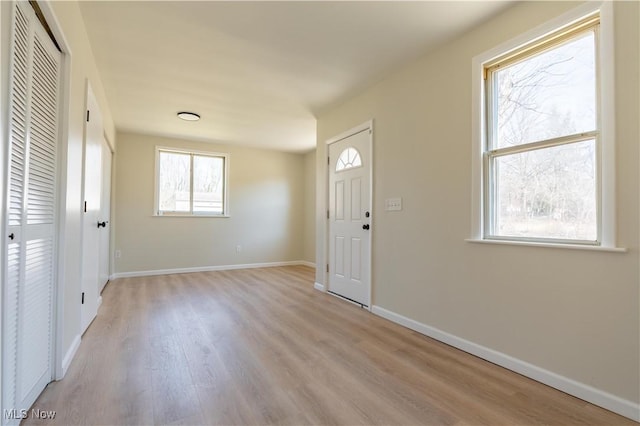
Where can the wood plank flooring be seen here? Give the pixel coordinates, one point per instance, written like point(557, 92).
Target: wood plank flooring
point(261, 346)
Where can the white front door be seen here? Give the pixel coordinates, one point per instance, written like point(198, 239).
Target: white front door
point(105, 216)
point(91, 216)
point(350, 217)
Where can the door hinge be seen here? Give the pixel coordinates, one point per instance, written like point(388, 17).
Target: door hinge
point(85, 206)
point(328, 160)
point(88, 116)
point(327, 269)
point(83, 297)
point(327, 214)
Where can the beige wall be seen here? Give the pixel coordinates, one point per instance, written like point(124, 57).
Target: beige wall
point(266, 203)
point(66, 17)
point(571, 312)
point(309, 248)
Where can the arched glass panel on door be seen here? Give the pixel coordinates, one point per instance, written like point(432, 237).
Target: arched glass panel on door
point(348, 159)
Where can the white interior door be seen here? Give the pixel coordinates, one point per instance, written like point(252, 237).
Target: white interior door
point(92, 200)
point(105, 217)
point(350, 217)
point(29, 264)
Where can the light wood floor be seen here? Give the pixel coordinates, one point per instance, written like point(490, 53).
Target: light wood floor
point(262, 346)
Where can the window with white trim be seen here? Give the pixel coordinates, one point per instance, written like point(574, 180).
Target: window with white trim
point(190, 183)
point(541, 153)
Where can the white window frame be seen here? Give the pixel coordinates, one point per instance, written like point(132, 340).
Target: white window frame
point(605, 147)
point(156, 198)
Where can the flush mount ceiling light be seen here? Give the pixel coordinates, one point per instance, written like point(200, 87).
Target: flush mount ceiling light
point(188, 116)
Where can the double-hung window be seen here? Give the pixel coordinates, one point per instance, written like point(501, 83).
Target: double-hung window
point(541, 153)
point(190, 183)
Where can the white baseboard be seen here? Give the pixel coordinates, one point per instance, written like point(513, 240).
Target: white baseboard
point(71, 353)
point(583, 391)
point(307, 263)
point(206, 269)
point(99, 302)
point(319, 287)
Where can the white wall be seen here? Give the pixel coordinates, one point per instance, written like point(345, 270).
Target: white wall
point(266, 203)
point(309, 207)
point(570, 312)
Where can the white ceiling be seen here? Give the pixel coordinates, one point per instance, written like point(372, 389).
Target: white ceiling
point(257, 72)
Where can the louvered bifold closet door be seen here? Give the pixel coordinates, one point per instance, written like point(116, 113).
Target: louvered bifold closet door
point(30, 266)
point(15, 200)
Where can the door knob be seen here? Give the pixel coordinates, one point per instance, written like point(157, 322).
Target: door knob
point(102, 224)
point(365, 227)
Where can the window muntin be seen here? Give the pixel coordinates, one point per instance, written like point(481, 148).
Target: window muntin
point(190, 183)
point(348, 159)
point(541, 153)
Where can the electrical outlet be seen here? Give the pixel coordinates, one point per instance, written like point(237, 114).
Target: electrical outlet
point(118, 254)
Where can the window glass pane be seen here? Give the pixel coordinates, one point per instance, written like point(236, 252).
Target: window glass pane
point(547, 193)
point(348, 159)
point(548, 95)
point(208, 185)
point(175, 182)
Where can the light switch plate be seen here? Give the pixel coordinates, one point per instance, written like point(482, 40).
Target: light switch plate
point(393, 204)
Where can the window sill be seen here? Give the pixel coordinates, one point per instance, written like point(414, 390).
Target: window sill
point(549, 245)
point(192, 215)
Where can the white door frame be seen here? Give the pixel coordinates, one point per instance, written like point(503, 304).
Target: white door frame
point(368, 125)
